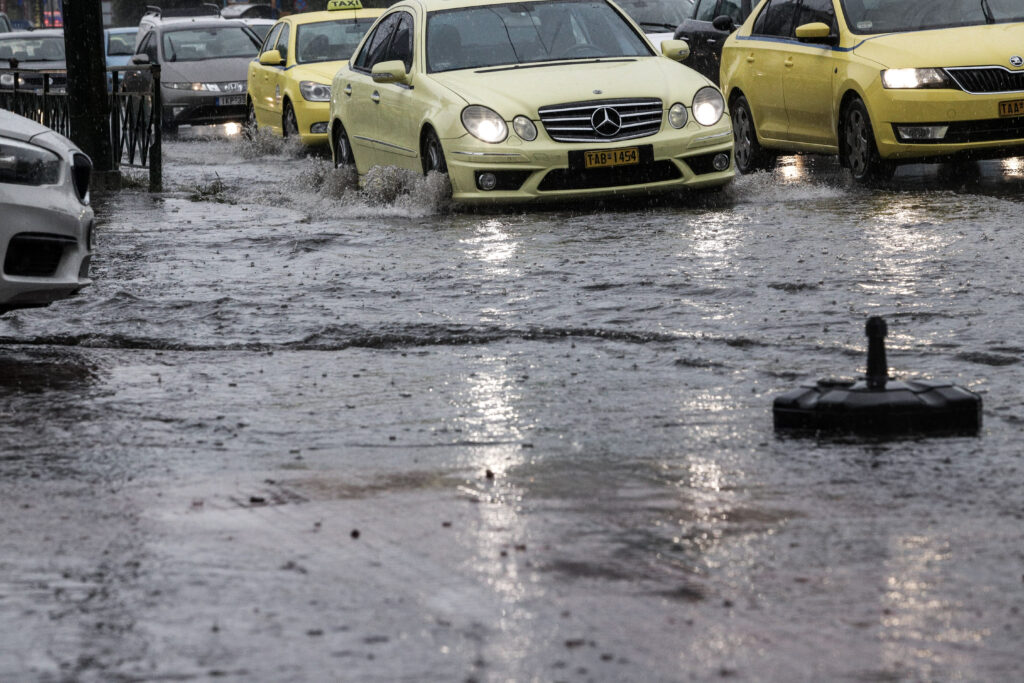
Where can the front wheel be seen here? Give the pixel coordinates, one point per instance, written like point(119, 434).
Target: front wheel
point(289, 123)
point(432, 153)
point(249, 129)
point(860, 153)
point(341, 148)
point(750, 155)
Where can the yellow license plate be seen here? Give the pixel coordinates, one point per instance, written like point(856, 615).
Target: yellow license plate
point(1011, 108)
point(612, 157)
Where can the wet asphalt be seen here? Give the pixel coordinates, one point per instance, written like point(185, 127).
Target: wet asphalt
point(298, 431)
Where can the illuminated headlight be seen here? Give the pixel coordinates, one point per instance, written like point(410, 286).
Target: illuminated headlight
point(677, 115)
point(315, 92)
point(205, 87)
point(708, 106)
point(914, 78)
point(22, 164)
point(524, 128)
point(484, 124)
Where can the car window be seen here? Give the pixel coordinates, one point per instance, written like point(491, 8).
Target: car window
point(48, 49)
point(706, 10)
point(816, 11)
point(400, 47)
point(733, 9)
point(376, 45)
point(329, 41)
point(282, 42)
point(120, 44)
point(776, 19)
point(271, 39)
point(194, 44)
point(148, 47)
point(885, 16)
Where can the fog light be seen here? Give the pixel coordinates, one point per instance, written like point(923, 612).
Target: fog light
point(486, 181)
point(721, 161)
point(922, 132)
point(318, 128)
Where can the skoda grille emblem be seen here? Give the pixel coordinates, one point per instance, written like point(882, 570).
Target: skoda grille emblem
point(606, 121)
point(1016, 61)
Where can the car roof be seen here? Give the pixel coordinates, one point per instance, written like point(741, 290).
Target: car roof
point(200, 23)
point(40, 33)
point(121, 29)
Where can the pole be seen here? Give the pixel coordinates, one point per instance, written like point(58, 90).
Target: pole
point(88, 103)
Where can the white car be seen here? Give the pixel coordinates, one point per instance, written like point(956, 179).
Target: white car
point(47, 224)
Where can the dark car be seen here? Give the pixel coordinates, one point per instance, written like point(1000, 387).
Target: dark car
point(704, 38)
point(29, 52)
point(5, 23)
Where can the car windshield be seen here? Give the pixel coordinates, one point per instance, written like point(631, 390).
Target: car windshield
point(194, 44)
point(520, 33)
point(891, 16)
point(50, 49)
point(329, 41)
point(121, 44)
point(655, 14)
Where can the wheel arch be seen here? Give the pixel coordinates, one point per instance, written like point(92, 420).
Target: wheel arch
point(848, 97)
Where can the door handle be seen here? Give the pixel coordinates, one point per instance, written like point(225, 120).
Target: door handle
point(788, 63)
point(375, 96)
point(750, 59)
point(712, 41)
point(348, 90)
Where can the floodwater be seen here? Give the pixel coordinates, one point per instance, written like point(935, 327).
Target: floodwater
point(299, 432)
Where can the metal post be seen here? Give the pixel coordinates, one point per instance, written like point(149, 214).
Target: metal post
point(115, 122)
point(156, 171)
point(46, 101)
point(878, 367)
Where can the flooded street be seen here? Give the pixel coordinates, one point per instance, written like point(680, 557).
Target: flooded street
point(300, 432)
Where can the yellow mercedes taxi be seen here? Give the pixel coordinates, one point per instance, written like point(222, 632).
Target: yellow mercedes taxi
point(528, 100)
point(878, 82)
point(289, 82)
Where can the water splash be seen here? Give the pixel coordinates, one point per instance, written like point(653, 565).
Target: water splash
point(266, 143)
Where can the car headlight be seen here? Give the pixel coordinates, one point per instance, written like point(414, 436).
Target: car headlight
point(315, 92)
point(708, 106)
point(677, 115)
point(7, 79)
point(206, 87)
point(914, 78)
point(524, 128)
point(23, 164)
point(484, 124)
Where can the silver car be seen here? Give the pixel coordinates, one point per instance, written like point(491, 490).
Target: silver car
point(203, 65)
point(47, 224)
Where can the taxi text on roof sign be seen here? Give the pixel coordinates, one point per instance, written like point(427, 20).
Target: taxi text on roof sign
point(343, 4)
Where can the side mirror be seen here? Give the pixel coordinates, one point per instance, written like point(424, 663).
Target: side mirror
point(271, 58)
point(724, 22)
point(140, 59)
point(816, 32)
point(676, 50)
point(390, 72)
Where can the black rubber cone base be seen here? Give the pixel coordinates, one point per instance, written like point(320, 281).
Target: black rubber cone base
point(912, 406)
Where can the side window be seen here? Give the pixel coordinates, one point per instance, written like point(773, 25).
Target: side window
point(376, 45)
point(706, 10)
point(816, 10)
point(401, 43)
point(148, 47)
point(731, 8)
point(282, 44)
point(271, 40)
point(776, 19)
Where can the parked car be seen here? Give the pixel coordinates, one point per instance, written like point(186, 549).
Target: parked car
point(119, 46)
point(245, 10)
point(47, 226)
point(704, 38)
point(658, 18)
point(542, 99)
point(878, 83)
point(5, 23)
point(289, 85)
point(160, 16)
point(203, 66)
point(33, 52)
point(261, 27)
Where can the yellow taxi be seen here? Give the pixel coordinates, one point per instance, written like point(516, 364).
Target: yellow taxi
point(878, 82)
point(289, 82)
point(520, 101)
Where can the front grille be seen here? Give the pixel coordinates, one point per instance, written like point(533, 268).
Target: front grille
point(982, 79)
point(621, 176)
point(981, 130)
point(32, 254)
point(602, 120)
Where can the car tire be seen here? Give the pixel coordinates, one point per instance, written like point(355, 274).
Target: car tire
point(289, 124)
point(860, 153)
point(432, 153)
point(750, 155)
point(249, 129)
point(341, 148)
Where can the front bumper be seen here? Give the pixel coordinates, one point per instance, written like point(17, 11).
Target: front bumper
point(312, 116)
point(546, 170)
point(45, 245)
point(186, 107)
point(973, 121)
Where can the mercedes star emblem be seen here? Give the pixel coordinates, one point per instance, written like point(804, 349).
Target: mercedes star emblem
point(606, 121)
point(1016, 61)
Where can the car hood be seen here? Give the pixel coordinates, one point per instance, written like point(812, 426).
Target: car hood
point(523, 90)
point(25, 130)
point(961, 46)
point(41, 66)
point(321, 72)
point(206, 70)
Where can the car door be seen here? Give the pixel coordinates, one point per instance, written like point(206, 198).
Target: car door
point(362, 95)
point(807, 81)
point(400, 112)
point(276, 75)
point(763, 58)
point(260, 91)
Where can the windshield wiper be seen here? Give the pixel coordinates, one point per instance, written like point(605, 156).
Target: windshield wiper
point(658, 24)
point(989, 17)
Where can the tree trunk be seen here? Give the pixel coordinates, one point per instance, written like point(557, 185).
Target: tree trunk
point(88, 102)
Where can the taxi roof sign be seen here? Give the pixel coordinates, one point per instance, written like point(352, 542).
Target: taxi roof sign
point(343, 4)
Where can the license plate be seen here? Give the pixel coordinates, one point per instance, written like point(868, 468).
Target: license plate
point(1011, 108)
point(230, 100)
point(612, 157)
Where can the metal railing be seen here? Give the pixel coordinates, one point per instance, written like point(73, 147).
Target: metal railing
point(135, 121)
